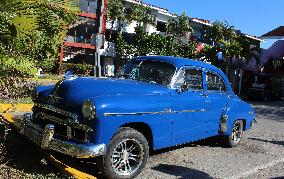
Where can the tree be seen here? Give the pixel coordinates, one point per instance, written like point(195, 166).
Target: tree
point(220, 37)
point(141, 14)
point(116, 12)
point(21, 18)
point(223, 37)
point(143, 44)
point(30, 30)
point(180, 26)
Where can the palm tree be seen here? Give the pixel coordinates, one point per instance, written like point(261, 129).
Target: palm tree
point(24, 26)
point(23, 17)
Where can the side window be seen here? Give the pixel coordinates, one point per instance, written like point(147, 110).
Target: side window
point(215, 82)
point(191, 78)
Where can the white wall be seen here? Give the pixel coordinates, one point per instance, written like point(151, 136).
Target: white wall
point(129, 27)
point(110, 52)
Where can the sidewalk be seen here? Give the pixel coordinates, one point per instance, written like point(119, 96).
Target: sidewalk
point(14, 113)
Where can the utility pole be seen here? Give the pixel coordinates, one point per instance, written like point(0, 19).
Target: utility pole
point(100, 31)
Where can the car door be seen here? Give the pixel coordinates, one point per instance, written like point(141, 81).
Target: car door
point(219, 97)
point(190, 106)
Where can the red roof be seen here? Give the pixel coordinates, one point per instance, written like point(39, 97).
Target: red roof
point(275, 33)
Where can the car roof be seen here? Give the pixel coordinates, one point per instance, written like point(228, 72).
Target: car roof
point(181, 62)
point(178, 61)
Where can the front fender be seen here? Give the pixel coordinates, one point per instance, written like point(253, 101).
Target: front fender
point(40, 92)
point(112, 112)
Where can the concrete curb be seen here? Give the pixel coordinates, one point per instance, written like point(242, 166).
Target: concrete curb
point(12, 113)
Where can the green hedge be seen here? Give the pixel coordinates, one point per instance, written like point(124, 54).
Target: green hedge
point(48, 66)
point(77, 69)
point(52, 67)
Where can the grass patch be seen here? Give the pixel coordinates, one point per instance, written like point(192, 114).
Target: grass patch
point(51, 77)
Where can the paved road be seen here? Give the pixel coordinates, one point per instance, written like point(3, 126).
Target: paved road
point(261, 154)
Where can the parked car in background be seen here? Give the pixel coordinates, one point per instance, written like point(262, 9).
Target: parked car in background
point(157, 102)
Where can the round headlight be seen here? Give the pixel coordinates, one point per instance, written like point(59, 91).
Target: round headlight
point(88, 110)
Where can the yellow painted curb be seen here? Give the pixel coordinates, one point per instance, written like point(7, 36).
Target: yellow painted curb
point(22, 107)
point(12, 119)
point(9, 117)
point(5, 107)
point(71, 171)
point(15, 108)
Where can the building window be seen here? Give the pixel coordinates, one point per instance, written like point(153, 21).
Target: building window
point(110, 36)
point(82, 31)
point(161, 26)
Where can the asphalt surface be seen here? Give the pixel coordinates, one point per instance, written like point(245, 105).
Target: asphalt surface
point(260, 155)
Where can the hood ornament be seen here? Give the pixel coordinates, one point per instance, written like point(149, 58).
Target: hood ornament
point(69, 75)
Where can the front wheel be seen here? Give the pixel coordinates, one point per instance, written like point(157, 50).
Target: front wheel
point(126, 155)
point(235, 137)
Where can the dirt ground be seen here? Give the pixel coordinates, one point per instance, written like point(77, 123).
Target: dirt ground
point(19, 160)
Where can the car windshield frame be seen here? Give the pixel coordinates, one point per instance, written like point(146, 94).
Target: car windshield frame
point(134, 70)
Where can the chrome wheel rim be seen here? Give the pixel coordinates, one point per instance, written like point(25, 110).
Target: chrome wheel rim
point(127, 157)
point(237, 132)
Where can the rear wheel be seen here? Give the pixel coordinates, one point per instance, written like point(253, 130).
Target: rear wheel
point(126, 155)
point(236, 134)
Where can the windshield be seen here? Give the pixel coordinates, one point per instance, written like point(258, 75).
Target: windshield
point(149, 71)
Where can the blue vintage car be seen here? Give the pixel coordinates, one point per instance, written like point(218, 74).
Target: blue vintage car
point(156, 102)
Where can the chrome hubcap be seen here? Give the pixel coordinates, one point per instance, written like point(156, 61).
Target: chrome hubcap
point(237, 132)
point(127, 157)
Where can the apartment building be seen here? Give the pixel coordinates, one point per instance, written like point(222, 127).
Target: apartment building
point(80, 43)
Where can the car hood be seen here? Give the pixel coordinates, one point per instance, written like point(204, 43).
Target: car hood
point(74, 91)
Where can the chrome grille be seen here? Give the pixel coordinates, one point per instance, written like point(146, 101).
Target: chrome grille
point(65, 123)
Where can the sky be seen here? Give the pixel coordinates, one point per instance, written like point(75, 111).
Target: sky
point(254, 17)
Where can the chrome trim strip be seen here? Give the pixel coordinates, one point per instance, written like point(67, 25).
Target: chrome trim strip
point(159, 112)
point(57, 110)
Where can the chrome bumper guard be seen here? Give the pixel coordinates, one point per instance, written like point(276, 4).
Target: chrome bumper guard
point(44, 138)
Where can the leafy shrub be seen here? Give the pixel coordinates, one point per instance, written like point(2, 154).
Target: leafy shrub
point(77, 69)
point(48, 66)
point(13, 74)
point(13, 87)
point(16, 66)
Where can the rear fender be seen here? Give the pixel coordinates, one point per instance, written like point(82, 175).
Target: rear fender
point(235, 110)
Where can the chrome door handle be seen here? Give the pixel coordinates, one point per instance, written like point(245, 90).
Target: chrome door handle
point(204, 95)
point(167, 110)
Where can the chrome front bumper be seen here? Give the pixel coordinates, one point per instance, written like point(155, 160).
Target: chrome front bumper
point(44, 138)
